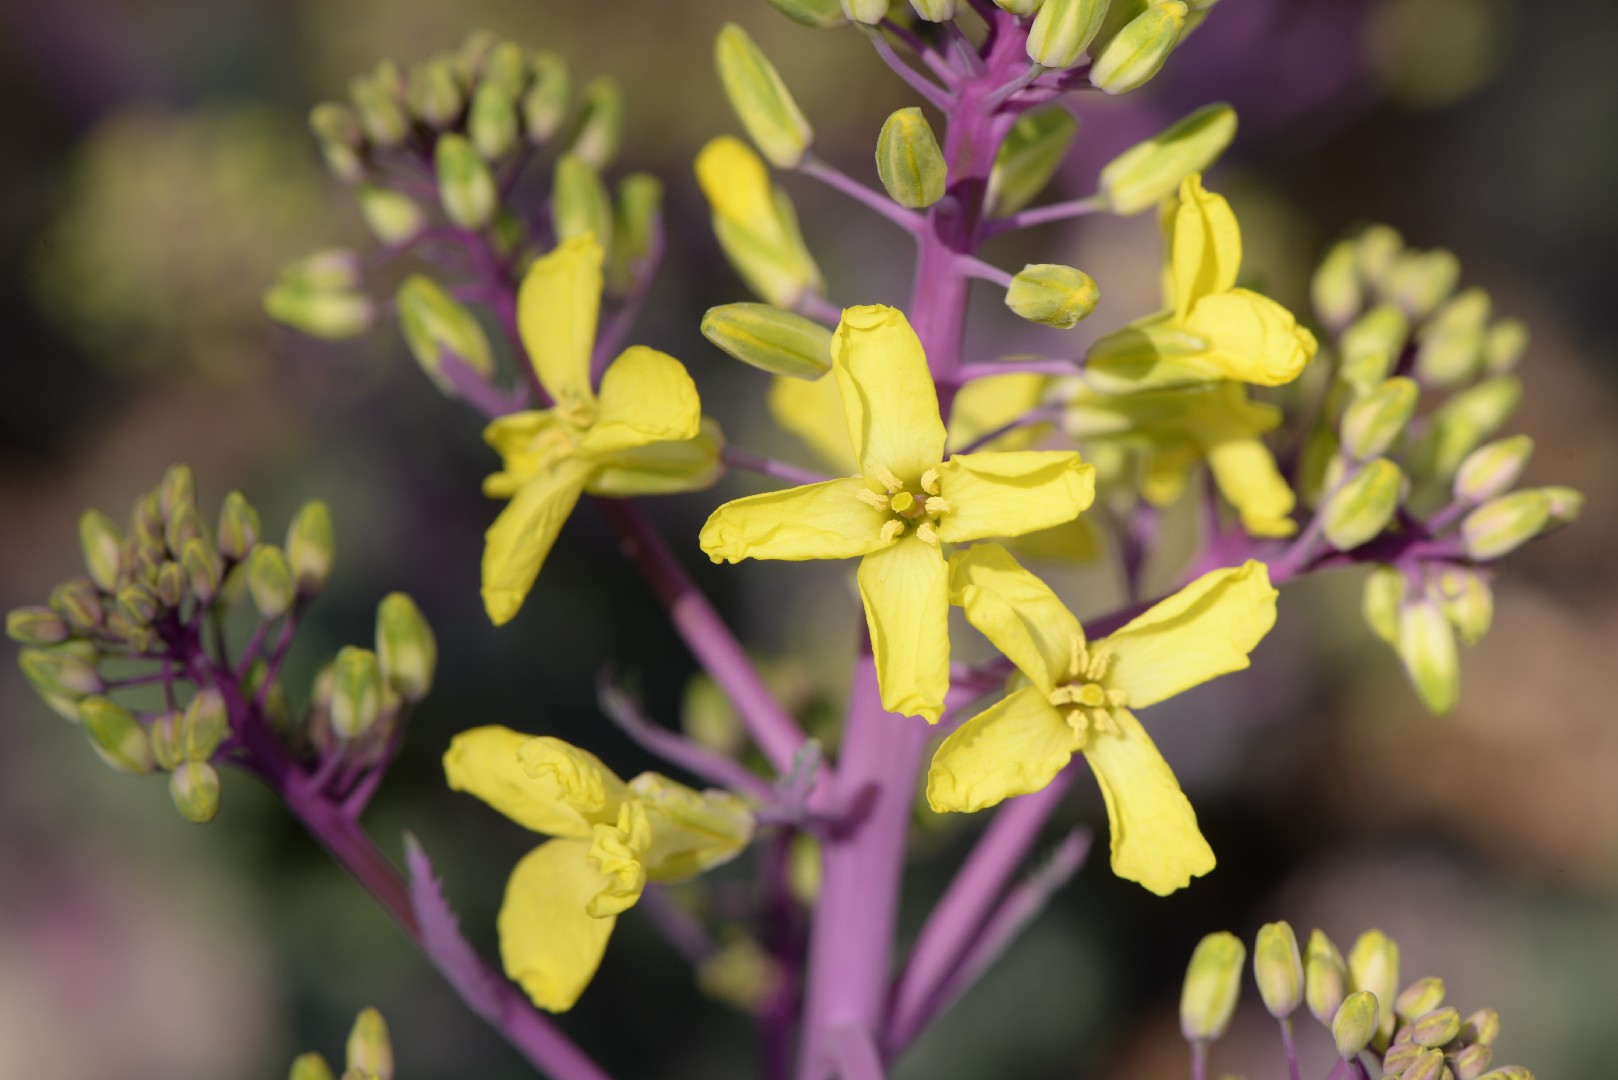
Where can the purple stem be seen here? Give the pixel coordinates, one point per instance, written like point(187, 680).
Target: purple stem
point(622, 710)
point(987, 369)
point(976, 268)
point(1290, 1046)
point(1038, 415)
point(856, 1055)
point(833, 177)
point(936, 95)
point(737, 458)
point(1041, 215)
point(1199, 1059)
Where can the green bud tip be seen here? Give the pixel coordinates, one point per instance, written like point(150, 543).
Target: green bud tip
point(1149, 172)
point(333, 316)
point(310, 547)
point(78, 601)
point(36, 626)
point(580, 205)
point(204, 725)
point(1482, 1026)
point(768, 338)
point(1469, 1062)
point(269, 581)
point(601, 124)
point(935, 10)
point(1325, 977)
point(1421, 996)
point(1426, 647)
point(393, 218)
point(435, 92)
point(1212, 982)
point(492, 122)
point(1359, 510)
point(310, 1067)
point(1505, 523)
point(369, 1049)
point(1504, 345)
point(1437, 1028)
point(117, 737)
point(869, 12)
point(405, 647)
point(60, 672)
point(820, 14)
point(544, 107)
point(760, 99)
point(909, 161)
point(1137, 52)
point(1355, 1024)
point(202, 570)
point(1053, 295)
point(357, 692)
point(1425, 1065)
point(238, 526)
point(1063, 29)
point(1373, 964)
point(1278, 969)
point(167, 734)
point(194, 787)
point(102, 542)
point(466, 187)
point(1492, 469)
point(1372, 424)
point(434, 324)
point(1335, 288)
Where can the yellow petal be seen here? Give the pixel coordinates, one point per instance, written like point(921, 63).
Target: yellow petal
point(1247, 476)
point(1008, 493)
point(557, 306)
point(1251, 337)
point(905, 588)
point(661, 468)
point(888, 393)
point(1205, 246)
point(646, 397)
point(984, 405)
point(616, 850)
point(1167, 471)
point(1013, 747)
point(691, 831)
point(812, 409)
point(827, 520)
point(528, 443)
point(1201, 632)
point(735, 181)
point(1155, 839)
point(541, 783)
point(549, 944)
point(516, 544)
point(1016, 611)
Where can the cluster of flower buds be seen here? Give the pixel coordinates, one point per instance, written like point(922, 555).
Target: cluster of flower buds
point(1411, 1032)
point(369, 1054)
point(1433, 486)
point(147, 624)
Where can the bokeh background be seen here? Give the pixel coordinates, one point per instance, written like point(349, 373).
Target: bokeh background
point(155, 173)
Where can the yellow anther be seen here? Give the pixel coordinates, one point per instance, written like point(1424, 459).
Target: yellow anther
point(1078, 657)
point(935, 505)
point(929, 481)
point(927, 533)
point(1096, 669)
point(892, 530)
point(1101, 720)
point(902, 501)
point(1091, 695)
point(871, 498)
point(1064, 695)
point(887, 479)
point(1117, 698)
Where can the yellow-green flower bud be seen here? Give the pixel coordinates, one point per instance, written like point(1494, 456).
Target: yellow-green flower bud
point(1137, 53)
point(1450, 348)
point(1373, 964)
point(580, 204)
point(755, 223)
point(1461, 425)
point(1375, 250)
point(1325, 977)
point(1400, 1056)
point(103, 545)
point(1362, 508)
point(1373, 423)
point(204, 725)
point(506, 66)
point(369, 1051)
point(1030, 155)
point(356, 702)
point(1482, 1027)
point(761, 100)
point(310, 1067)
point(337, 129)
point(820, 14)
point(1420, 997)
point(601, 124)
point(1063, 29)
point(1467, 602)
point(1469, 1062)
point(435, 323)
point(1504, 524)
point(171, 584)
point(1020, 8)
point(185, 525)
point(36, 626)
point(1213, 981)
point(334, 316)
point(1426, 1065)
point(405, 647)
point(79, 602)
point(869, 12)
point(1335, 289)
point(311, 547)
point(770, 339)
point(908, 160)
point(1418, 281)
point(328, 270)
point(492, 120)
point(935, 10)
point(138, 603)
point(1355, 1024)
point(1371, 344)
point(194, 787)
point(269, 580)
point(178, 488)
point(474, 53)
point(544, 107)
point(381, 114)
point(1504, 345)
point(168, 747)
point(1278, 969)
point(393, 218)
point(117, 737)
point(465, 186)
point(202, 570)
point(1437, 1026)
point(1052, 295)
point(1426, 646)
point(1492, 469)
point(637, 227)
point(436, 92)
point(1566, 503)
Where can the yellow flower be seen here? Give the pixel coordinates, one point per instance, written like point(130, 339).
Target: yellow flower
point(1213, 330)
point(611, 838)
point(1079, 698)
point(642, 433)
point(906, 502)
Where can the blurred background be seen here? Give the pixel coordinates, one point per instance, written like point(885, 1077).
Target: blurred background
point(156, 173)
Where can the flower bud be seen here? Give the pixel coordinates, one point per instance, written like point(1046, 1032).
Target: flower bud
point(310, 547)
point(116, 736)
point(1437, 1027)
point(1063, 29)
point(405, 647)
point(310, 1067)
point(1213, 980)
point(491, 122)
point(755, 223)
point(436, 93)
point(337, 128)
point(171, 585)
point(1504, 345)
point(1373, 423)
point(1467, 602)
point(194, 787)
point(1354, 1025)
point(1278, 969)
point(1469, 1062)
point(356, 702)
point(580, 205)
point(1418, 281)
point(202, 570)
point(1492, 469)
point(178, 488)
point(36, 626)
point(1420, 997)
point(1137, 52)
point(1151, 171)
point(1052, 295)
point(600, 127)
point(166, 734)
point(1504, 524)
point(908, 160)
point(269, 580)
point(637, 228)
point(506, 66)
point(1375, 251)
point(393, 218)
point(544, 107)
point(1450, 348)
point(369, 1051)
point(1028, 157)
point(204, 725)
point(328, 270)
point(139, 603)
point(1362, 508)
point(1566, 503)
point(465, 185)
point(1325, 977)
point(1425, 1065)
point(1373, 964)
point(1020, 8)
point(381, 114)
point(185, 525)
point(435, 323)
point(103, 543)
point(1482, 1026)
point(820, 14)
point(1335, 289)
point(1427, 648)
point(761, 100)
point(1370, 346)
point(330, 315)
point(770, 339)
point(1400, 1056)
point(79, 603)
point(1461, 424)
point(869, 12)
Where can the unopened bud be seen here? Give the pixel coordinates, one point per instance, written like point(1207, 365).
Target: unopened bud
point(327, 270)
point(1020, 8)
point(1426, 646)
point(580, 205)
point(1482, 1026)
point(1418, 281)
point(202, 570)
point(171, 585)
point(1437, 1027)
point(935, 10)
point(78, 601)
point(506, 66)
point(1566, 503)
point(1373, 964)
point(1467, 602)
point(1375, 250)
point(194, 787)
point(601, 124)
point(1419, 998)
point(1137, 52)
point(102, 542)
point(492, 120)
point(1469, 1062)
point(755, 223)
point(269, 580)
point(381, 114)
point(177, 490)
point(1426, 1065)
point(435, 323)
point(1063, 29)
point(116, 736)
point(1461, 425)
point(1362, 507)
point(356, 692)
point(310, 1067)
point(1325, 977)
point(869, 12)
point(333, 316)
point(1335, 289)
point(1371, 345)
point(1492, 469)
point(1451, 344)
point(1278, 969)
point(369, 1050)
point(436, 92)
point(139, 603)
point(1504, 345)
point(185, 525)
point(36, 626)
point(336, 123)
point(771, 339)
point(1400, 1056)
point(544, 107)
point(908, 160)
point(637, 225)
point(1373, 423)
point(1052, 295)
point(1355, 1024)
point(167, 736)
point(1504, 524)
point(465, 186)
point(1212, 981)
point(761, 100)
point(820, 14)
point(204, 726)
point(393, 218)
point(405, 647)
point(1033, 150)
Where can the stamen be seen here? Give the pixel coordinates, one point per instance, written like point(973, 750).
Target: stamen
point(871, 498)
point(1117, 698)
point(1078, 657)
point(1096, 669)
point(1064, 695)
point(887, 479)
point(927, 533)
point(929, 481)
point(935, 505)
point(892, 530)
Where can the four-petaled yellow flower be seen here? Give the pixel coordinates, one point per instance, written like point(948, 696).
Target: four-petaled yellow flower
point(642, 433)
point(905, 505)
point(611, 838)
point(1079, 698)
point(1213, 330)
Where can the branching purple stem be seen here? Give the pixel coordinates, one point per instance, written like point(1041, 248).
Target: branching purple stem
point(716, 769)
point(935, 95)
point(1042, 215)
point(833, 177)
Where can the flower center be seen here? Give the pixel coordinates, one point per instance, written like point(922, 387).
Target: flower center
point(1084, 699)
point(915, 506)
